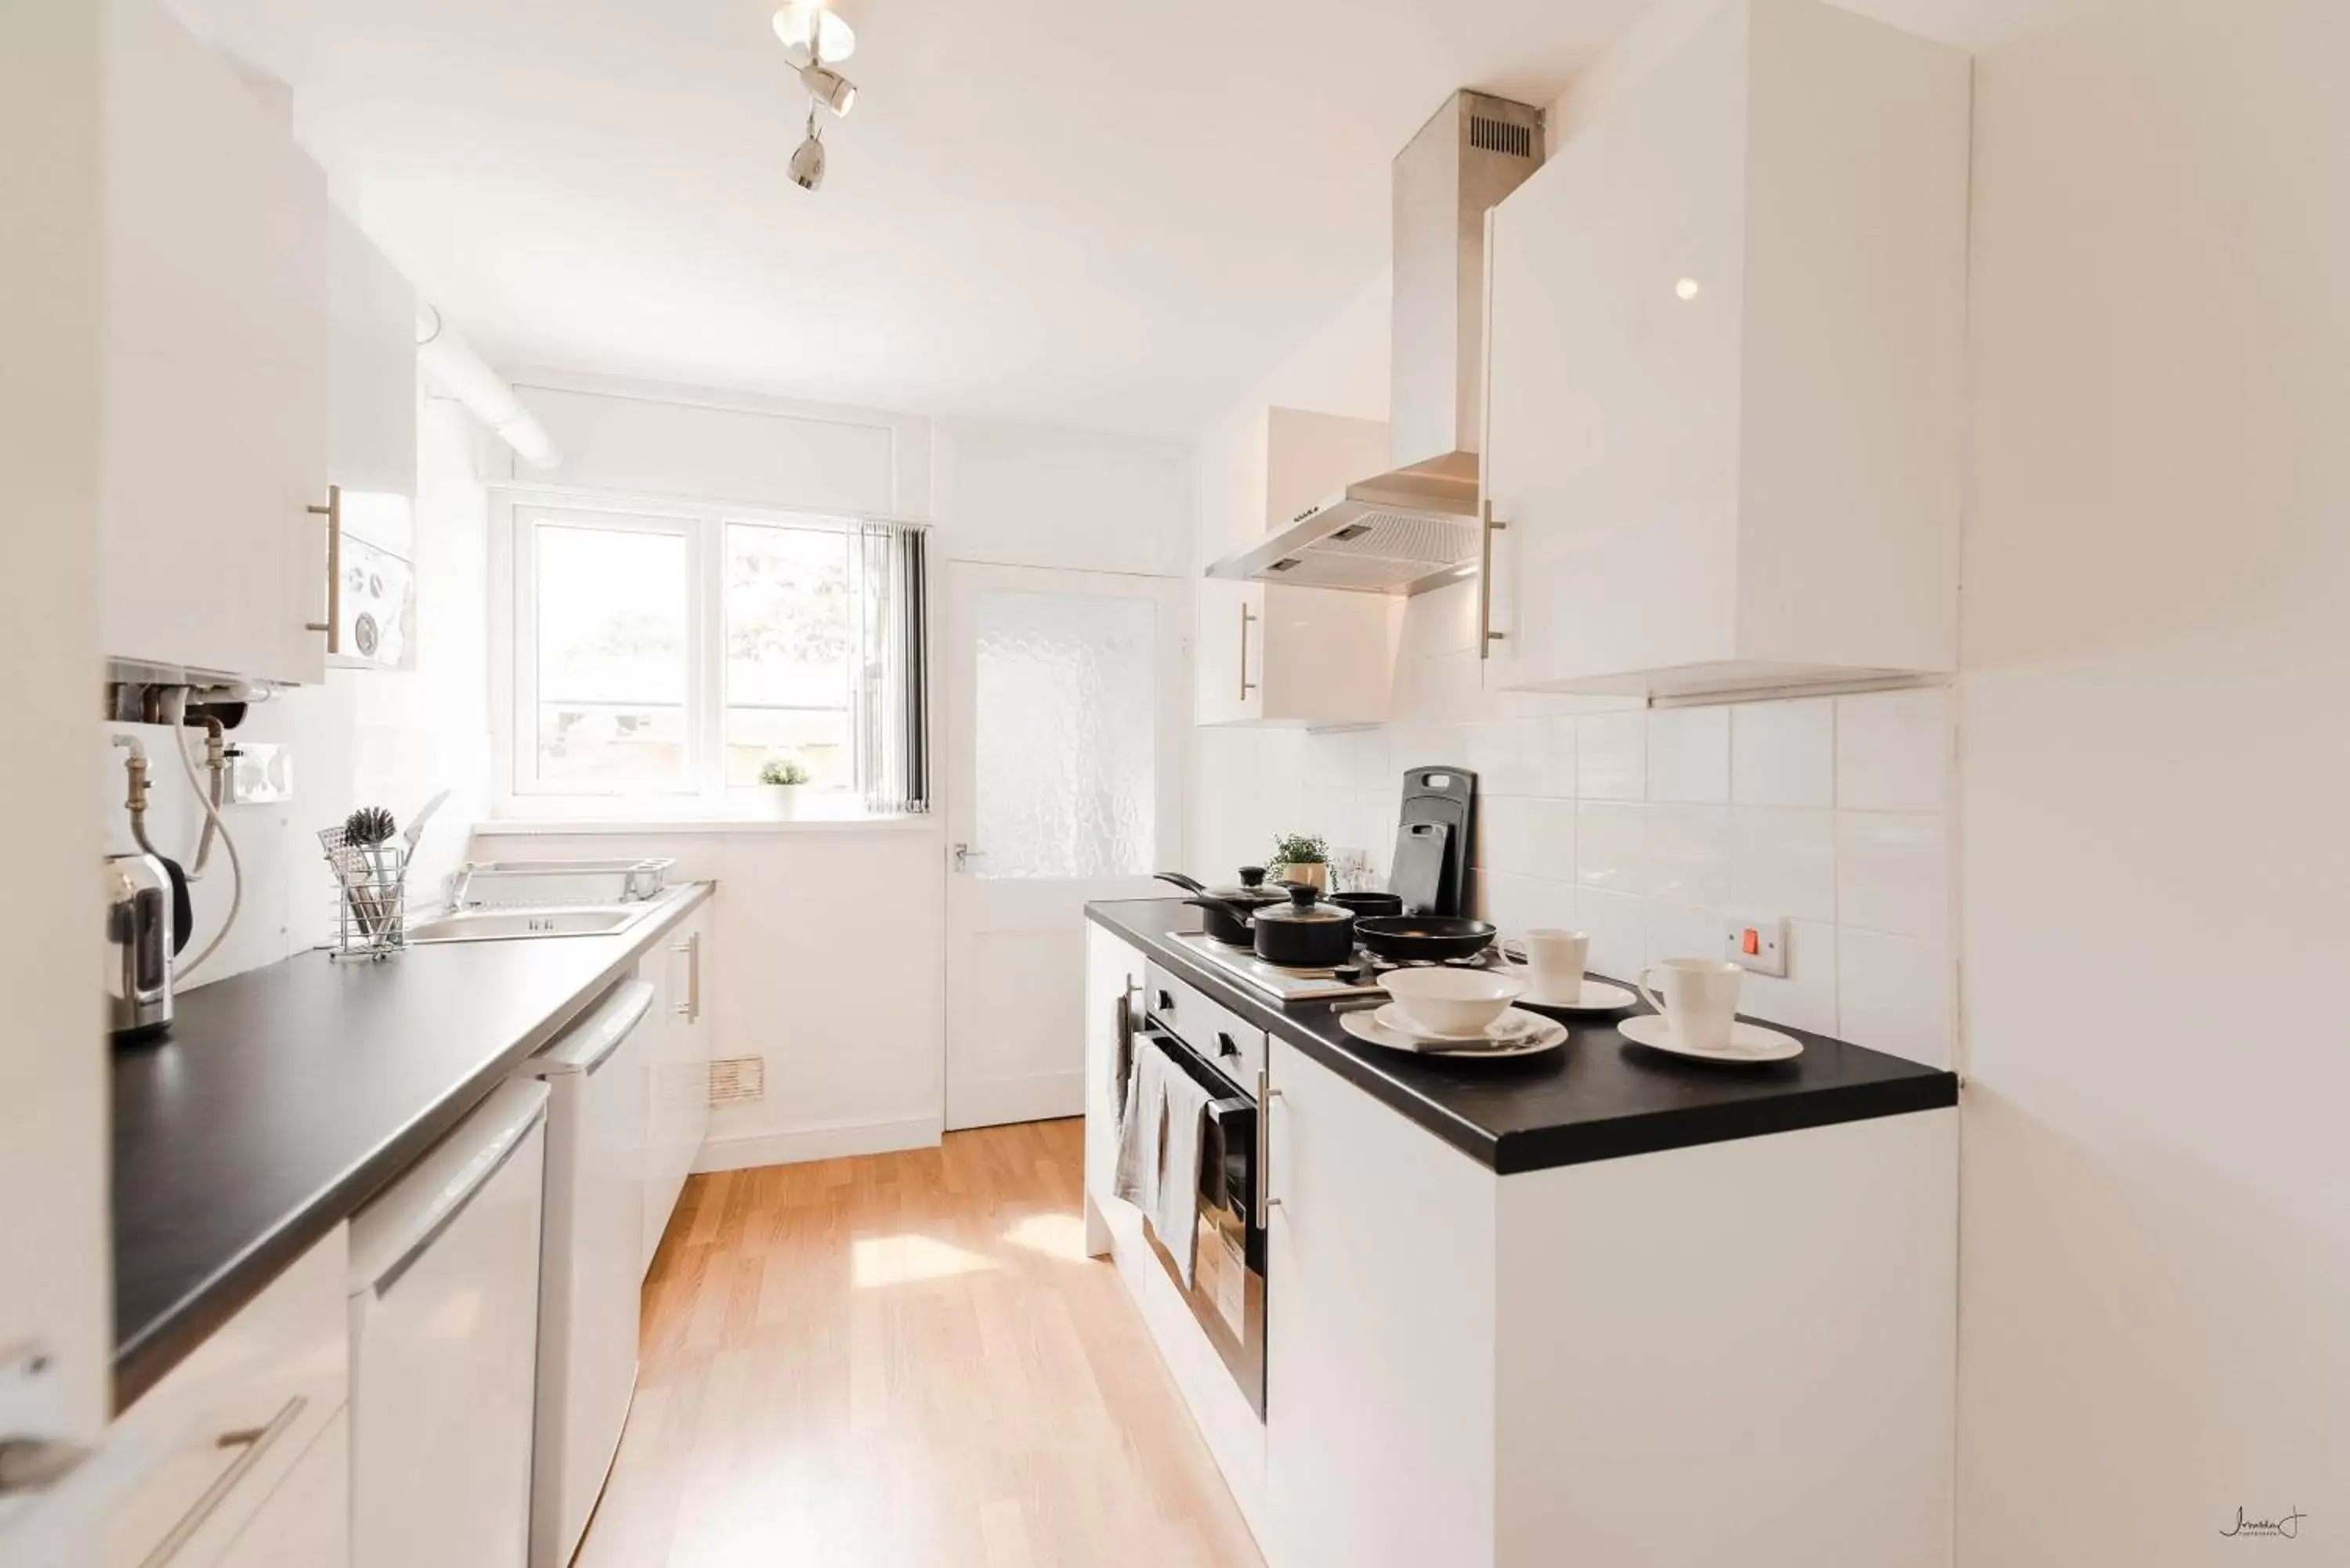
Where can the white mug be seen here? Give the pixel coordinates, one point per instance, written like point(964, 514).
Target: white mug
point(1557, 959)
point(1700, 1001)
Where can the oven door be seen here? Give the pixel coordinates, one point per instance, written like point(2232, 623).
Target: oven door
point(1227, 1290)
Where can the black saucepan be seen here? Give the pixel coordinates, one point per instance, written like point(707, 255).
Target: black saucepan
point(1303, 933)
point(1365, 904)
point(1249, 897)
point(1409, 939)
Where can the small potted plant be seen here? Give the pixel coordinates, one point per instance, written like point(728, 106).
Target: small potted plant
point(1298, 858)
point(786, 779)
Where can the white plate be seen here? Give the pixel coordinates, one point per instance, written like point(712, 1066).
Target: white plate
point(1365, 1025)
point(1596, 996)
point(1748, 1041)
point(1507, 1025)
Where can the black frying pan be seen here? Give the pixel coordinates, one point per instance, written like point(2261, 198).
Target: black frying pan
point(1366, 903)
point(1409, 939)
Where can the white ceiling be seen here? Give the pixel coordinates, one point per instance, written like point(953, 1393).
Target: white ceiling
point(1105, 212)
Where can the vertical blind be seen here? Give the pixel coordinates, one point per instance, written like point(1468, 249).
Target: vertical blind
point(892, 702)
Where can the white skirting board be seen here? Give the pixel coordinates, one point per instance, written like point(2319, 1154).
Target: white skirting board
point(819, 1140)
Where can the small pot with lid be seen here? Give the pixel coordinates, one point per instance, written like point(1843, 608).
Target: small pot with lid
point(1229, 908)
point(1302, 933)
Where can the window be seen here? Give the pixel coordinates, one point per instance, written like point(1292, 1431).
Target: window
point(674, 655)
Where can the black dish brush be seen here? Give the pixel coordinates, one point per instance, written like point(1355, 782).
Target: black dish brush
point(369, 826)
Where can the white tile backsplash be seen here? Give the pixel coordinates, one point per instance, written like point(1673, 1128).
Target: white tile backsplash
point(1893, 751)
point(1611, 756)
point(1687, 855)
point(1784, 753)
point(1893, 873)
point(1784, 862)
point(1894, 993)
point(1646, 827)
point(1689, 755)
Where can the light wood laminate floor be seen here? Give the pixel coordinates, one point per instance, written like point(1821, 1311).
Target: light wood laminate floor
point(904, 1361)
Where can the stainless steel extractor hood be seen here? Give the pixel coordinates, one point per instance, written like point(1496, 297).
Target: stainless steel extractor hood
point(1415, 526)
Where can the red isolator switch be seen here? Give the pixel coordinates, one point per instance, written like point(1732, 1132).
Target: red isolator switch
point(1751, 942)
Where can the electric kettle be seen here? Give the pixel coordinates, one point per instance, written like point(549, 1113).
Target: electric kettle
point(139, 946)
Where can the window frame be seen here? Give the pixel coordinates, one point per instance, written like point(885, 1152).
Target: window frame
point(517, 516)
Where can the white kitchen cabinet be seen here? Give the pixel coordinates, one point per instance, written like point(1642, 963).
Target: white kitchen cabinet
point(1725, 350)
point(1379, 1388)
point(214, 342)
point(370, 366)
point(1264, 653)
point(677, 1061)
point(306, 1523)
point(1524, 1370)
point(229, 1451)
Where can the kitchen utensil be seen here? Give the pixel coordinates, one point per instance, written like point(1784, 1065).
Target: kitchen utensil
point(1508, 1025)
point(140, 945)
point(1700, 997)
point(1366, 1026)
point(416, 825)
point(1459, 1004)
point(1368, 903)
point(1423, 938)
point(1304, 932)
point(1420, 862)
point(1249, 897)
point(1434, 798)
point(1596, 996)
point(1557, 959)
point(1747, 1043)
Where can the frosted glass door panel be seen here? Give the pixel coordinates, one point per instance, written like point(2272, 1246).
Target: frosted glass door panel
point(1065, 688)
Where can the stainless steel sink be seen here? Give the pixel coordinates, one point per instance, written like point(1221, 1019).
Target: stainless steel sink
point(503, 925)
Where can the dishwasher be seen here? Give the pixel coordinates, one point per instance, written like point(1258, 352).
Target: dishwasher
point(444, 1304)
point(590, 1260)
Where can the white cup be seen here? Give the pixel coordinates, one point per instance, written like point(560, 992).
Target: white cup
point(1557, 959)
point(1699, 999)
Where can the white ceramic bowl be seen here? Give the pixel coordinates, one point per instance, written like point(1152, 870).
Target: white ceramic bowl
point(1462, 1002)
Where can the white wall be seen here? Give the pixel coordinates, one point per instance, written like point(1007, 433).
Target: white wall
point(53, 1064)
point(2155, 1311)
point(366, 736)
point(830, 938)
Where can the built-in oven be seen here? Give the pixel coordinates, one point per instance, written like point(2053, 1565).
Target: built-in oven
point(1227, 1290)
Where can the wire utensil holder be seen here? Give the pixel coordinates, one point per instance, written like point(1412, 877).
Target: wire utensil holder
point(370, 896)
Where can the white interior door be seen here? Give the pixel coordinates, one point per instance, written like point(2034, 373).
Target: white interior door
point(1064, 732)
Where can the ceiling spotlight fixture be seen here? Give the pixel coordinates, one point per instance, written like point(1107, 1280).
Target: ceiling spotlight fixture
point(808, 159)
point(828, 86)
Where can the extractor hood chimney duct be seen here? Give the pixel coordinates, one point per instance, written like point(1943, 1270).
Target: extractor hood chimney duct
point(1414, 526)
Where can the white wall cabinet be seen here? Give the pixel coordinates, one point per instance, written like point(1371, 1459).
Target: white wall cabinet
point(1266, 654)
point(370, 366)
point(1725, 350)
point(677, 1064)
point(214, 341)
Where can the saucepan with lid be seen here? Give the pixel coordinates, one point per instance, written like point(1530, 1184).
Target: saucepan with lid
point(1302, 933)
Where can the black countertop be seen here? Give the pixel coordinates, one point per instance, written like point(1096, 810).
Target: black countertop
point(287, 1095)
point(1599, 1097)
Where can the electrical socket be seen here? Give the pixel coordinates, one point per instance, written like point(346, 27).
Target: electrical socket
point(1756, 942)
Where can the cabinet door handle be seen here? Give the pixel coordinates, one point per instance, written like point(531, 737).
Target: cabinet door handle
point(691, 1008)
point(333, 625)
point(253, 1442)
point(1265, 1095)
point(1486, 528)
point(1247, 686)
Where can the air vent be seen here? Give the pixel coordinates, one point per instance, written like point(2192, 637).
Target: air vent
point(738, 1078)
point(1284, 564)
point(1501, 136)
point(1352, 531)
point(1404, 536)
